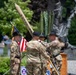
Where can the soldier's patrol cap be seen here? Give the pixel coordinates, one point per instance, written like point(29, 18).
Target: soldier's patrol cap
point(16, 34)
point(43, 36)
point(53, 32)
point(36, 34)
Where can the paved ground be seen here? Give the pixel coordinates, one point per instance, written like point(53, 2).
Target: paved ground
point(71, 67)
point(71, 56)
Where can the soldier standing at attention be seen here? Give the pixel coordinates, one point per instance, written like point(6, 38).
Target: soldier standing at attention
point(37, 56)
point(15, 55)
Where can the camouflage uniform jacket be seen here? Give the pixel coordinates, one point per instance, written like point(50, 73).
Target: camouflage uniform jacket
point(36, 52)
point(54, 48)
point(15, 58)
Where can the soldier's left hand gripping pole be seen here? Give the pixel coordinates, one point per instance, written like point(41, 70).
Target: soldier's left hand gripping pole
point(24, 19)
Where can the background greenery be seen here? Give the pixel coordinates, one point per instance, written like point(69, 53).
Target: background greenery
point(5, 64)
point(69, 5)
point(9, 14)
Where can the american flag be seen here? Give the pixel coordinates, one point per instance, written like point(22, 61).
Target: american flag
point(22, 45)
point(23, 41)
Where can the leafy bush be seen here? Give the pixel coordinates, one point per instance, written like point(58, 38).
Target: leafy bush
point(4, 65)
point(72, 30)
point(24, 61)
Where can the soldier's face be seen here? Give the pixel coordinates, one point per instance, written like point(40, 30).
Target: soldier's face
point(17, 38)
point(42, 38)
point(36, 37)
point(52, 37)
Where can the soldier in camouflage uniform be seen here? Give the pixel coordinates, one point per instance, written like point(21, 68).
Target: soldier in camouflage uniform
point(15, 56)
point(37, 57)
point(55, 49)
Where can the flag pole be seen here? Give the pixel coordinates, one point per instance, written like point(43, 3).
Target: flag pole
point(24, 19)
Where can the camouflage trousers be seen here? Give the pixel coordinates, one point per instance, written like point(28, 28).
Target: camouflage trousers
point(36, 69)
point(15, 67)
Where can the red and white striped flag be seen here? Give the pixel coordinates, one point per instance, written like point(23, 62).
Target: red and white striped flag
point(23, 45)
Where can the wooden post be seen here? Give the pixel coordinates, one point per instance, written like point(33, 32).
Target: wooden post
point(64, 64)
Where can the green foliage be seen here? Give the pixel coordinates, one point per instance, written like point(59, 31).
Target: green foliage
point(70, 3)
point(1, 37)
point(68, 6)
point(4, 65)
point(72, 31)
point(2, 3)
point(24, 61)
point(37, 26)
point(9, 14)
